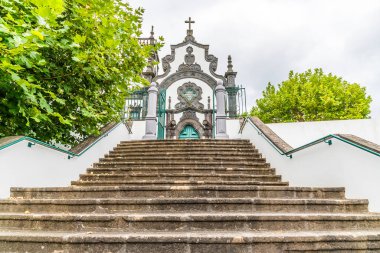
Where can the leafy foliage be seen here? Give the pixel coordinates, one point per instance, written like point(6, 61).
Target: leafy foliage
point(312, 96)
point(66, 66)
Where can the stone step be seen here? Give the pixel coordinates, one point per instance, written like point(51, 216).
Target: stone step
point(193, 150)
point(198, 159)
point(184, 176)
point(184, 149)
point(181, 154)
point(187, 144)
point(198, 221)
point(207, 147)
point(173, 182)
point(179, 170)
point(178, 192)
point(192, 163)
point(200, 141)
point(183, 205)
point(205, 241)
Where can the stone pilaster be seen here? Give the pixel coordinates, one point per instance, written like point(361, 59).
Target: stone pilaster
point(221, 128)
point(151, 117)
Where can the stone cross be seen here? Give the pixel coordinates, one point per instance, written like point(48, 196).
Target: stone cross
point(189, 22)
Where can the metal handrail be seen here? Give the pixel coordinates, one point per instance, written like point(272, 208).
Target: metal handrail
point(70, 154)
point(326, 139)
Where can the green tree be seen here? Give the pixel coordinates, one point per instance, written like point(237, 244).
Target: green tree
point(312, 96)
point(66, 66)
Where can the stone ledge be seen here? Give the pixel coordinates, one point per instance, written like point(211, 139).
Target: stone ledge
point(91, 139)
point(357, 140)
point(6, 140)
point(272, 136)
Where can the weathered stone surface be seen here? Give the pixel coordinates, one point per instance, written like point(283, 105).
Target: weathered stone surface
point(176, 192)
point(185, 196)
point(183, 205)
point(191, 242)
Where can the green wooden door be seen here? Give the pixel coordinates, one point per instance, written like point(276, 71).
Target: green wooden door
point(189, 132)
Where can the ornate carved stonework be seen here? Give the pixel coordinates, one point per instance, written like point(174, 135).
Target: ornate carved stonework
point(188, 74)
point(192, 67)
point(189, 58)
point(183, 73)
point(189, 62)
point(166, 62)
point(189, 95)
point(189, 115)
point(213, 62)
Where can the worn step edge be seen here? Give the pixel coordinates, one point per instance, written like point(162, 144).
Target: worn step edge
point(183, 152)
point(197, 237)
point(184, 188)
point(192, 157)
point(187, 221)
point(192, 242)
point(154, 169)
point(185, 162)
point(255, 205)
point(176, 182)
point(169, 175)
point(186, 147)
point(191, 141)
point(189, 144)
point(255, 201)
point(193, 216)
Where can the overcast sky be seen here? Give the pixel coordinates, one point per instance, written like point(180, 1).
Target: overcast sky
point(267, 38)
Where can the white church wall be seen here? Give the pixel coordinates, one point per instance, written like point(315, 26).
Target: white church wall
point(138, 130)
point(299, 133)
point(40, 166)
point(338, 165)
point(233, 126)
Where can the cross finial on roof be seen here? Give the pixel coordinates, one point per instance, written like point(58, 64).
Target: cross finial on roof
point(189, 22)
point(152, 32)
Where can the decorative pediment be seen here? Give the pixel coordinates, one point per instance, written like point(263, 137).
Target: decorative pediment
point(189, 68)
point(189, 62)
point(189, 96)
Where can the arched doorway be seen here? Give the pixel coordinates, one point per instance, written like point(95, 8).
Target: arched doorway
point(189, 132)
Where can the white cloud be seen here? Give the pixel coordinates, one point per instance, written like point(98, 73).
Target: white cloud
point(267, 38)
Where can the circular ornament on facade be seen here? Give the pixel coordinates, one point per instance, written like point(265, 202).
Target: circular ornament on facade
point(189, 96)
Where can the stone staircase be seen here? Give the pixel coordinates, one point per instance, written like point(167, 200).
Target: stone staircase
point(194, 196)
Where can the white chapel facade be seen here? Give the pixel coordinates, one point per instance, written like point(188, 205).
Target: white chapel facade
point(187, 85)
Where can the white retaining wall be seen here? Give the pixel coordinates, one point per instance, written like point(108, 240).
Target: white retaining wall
point(233, 127)
point(299, 133)
point(338, 165)
point(39, 166)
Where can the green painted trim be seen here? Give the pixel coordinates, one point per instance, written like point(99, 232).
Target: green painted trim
point(161, 115)
point(213, 114)
point(12, 143)
point(327, 139)
point(355, 145)
point(70, 154)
